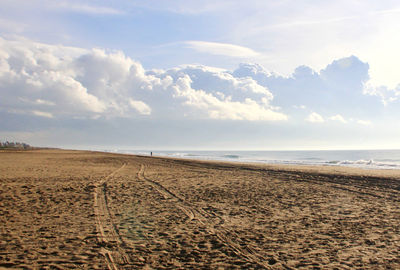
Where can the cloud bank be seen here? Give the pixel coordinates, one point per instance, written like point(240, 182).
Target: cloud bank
point(57, 81)
point(341, 91)
point(53, 81)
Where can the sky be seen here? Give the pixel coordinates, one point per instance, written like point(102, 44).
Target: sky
point(200, 75)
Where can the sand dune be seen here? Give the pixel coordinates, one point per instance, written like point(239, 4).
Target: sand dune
point(75, 209)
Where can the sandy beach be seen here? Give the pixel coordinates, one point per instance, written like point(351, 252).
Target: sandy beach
point(65, 209)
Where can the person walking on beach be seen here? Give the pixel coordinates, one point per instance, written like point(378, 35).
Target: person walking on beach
point(151, 154)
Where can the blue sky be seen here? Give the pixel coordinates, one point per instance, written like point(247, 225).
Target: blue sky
point(200, 74)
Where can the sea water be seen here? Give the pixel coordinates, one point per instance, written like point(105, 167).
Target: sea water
point(368, 159)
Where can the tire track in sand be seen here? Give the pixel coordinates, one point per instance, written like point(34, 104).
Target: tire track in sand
point(167, 194)
point(200, 216)
point(107, 235)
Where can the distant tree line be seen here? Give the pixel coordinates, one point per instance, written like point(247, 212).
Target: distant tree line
point(14, 145)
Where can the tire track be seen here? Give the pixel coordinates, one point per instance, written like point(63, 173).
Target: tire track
point(200, 216)
point(108, 236)
point(167, 194)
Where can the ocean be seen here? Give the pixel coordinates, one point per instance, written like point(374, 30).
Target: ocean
point(366, 159)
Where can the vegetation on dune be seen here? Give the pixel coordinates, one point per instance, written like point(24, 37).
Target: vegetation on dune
point(14, 145)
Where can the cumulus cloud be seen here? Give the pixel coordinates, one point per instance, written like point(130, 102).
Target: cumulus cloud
point(34, 76)
point(54, 81)
point(140, 106)
point(224, 49)
point(222, 83)
point(385, 94)
point(315, 118)
point(338, 118)
point(50, 81)
point(217, 108)
point(339, 87)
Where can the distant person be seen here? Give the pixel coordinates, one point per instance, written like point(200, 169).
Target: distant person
point(151, 154)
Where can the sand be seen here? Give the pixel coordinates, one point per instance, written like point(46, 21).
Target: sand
point(90, 210)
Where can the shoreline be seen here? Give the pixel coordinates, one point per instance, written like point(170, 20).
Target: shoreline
point(359, 159)
point(319, 169)
point(304, 168)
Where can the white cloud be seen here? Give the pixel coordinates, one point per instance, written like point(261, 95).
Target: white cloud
point(387, 95)
point(216, 108)
point(315, 118)
point(79, 83)
point(339, 88)
point(84, 8)
point(217, 94)
point(57, 80)
point(224, 49)
point(186, 7)
point(364, 122)
point(338, 118)
point(140, 106)
point(45, 102)
point(31, 73)
point(218, 81)
point(94, 10)
point(42, 114)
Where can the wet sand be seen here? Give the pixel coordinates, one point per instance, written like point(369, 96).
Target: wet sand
point(75, 209)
